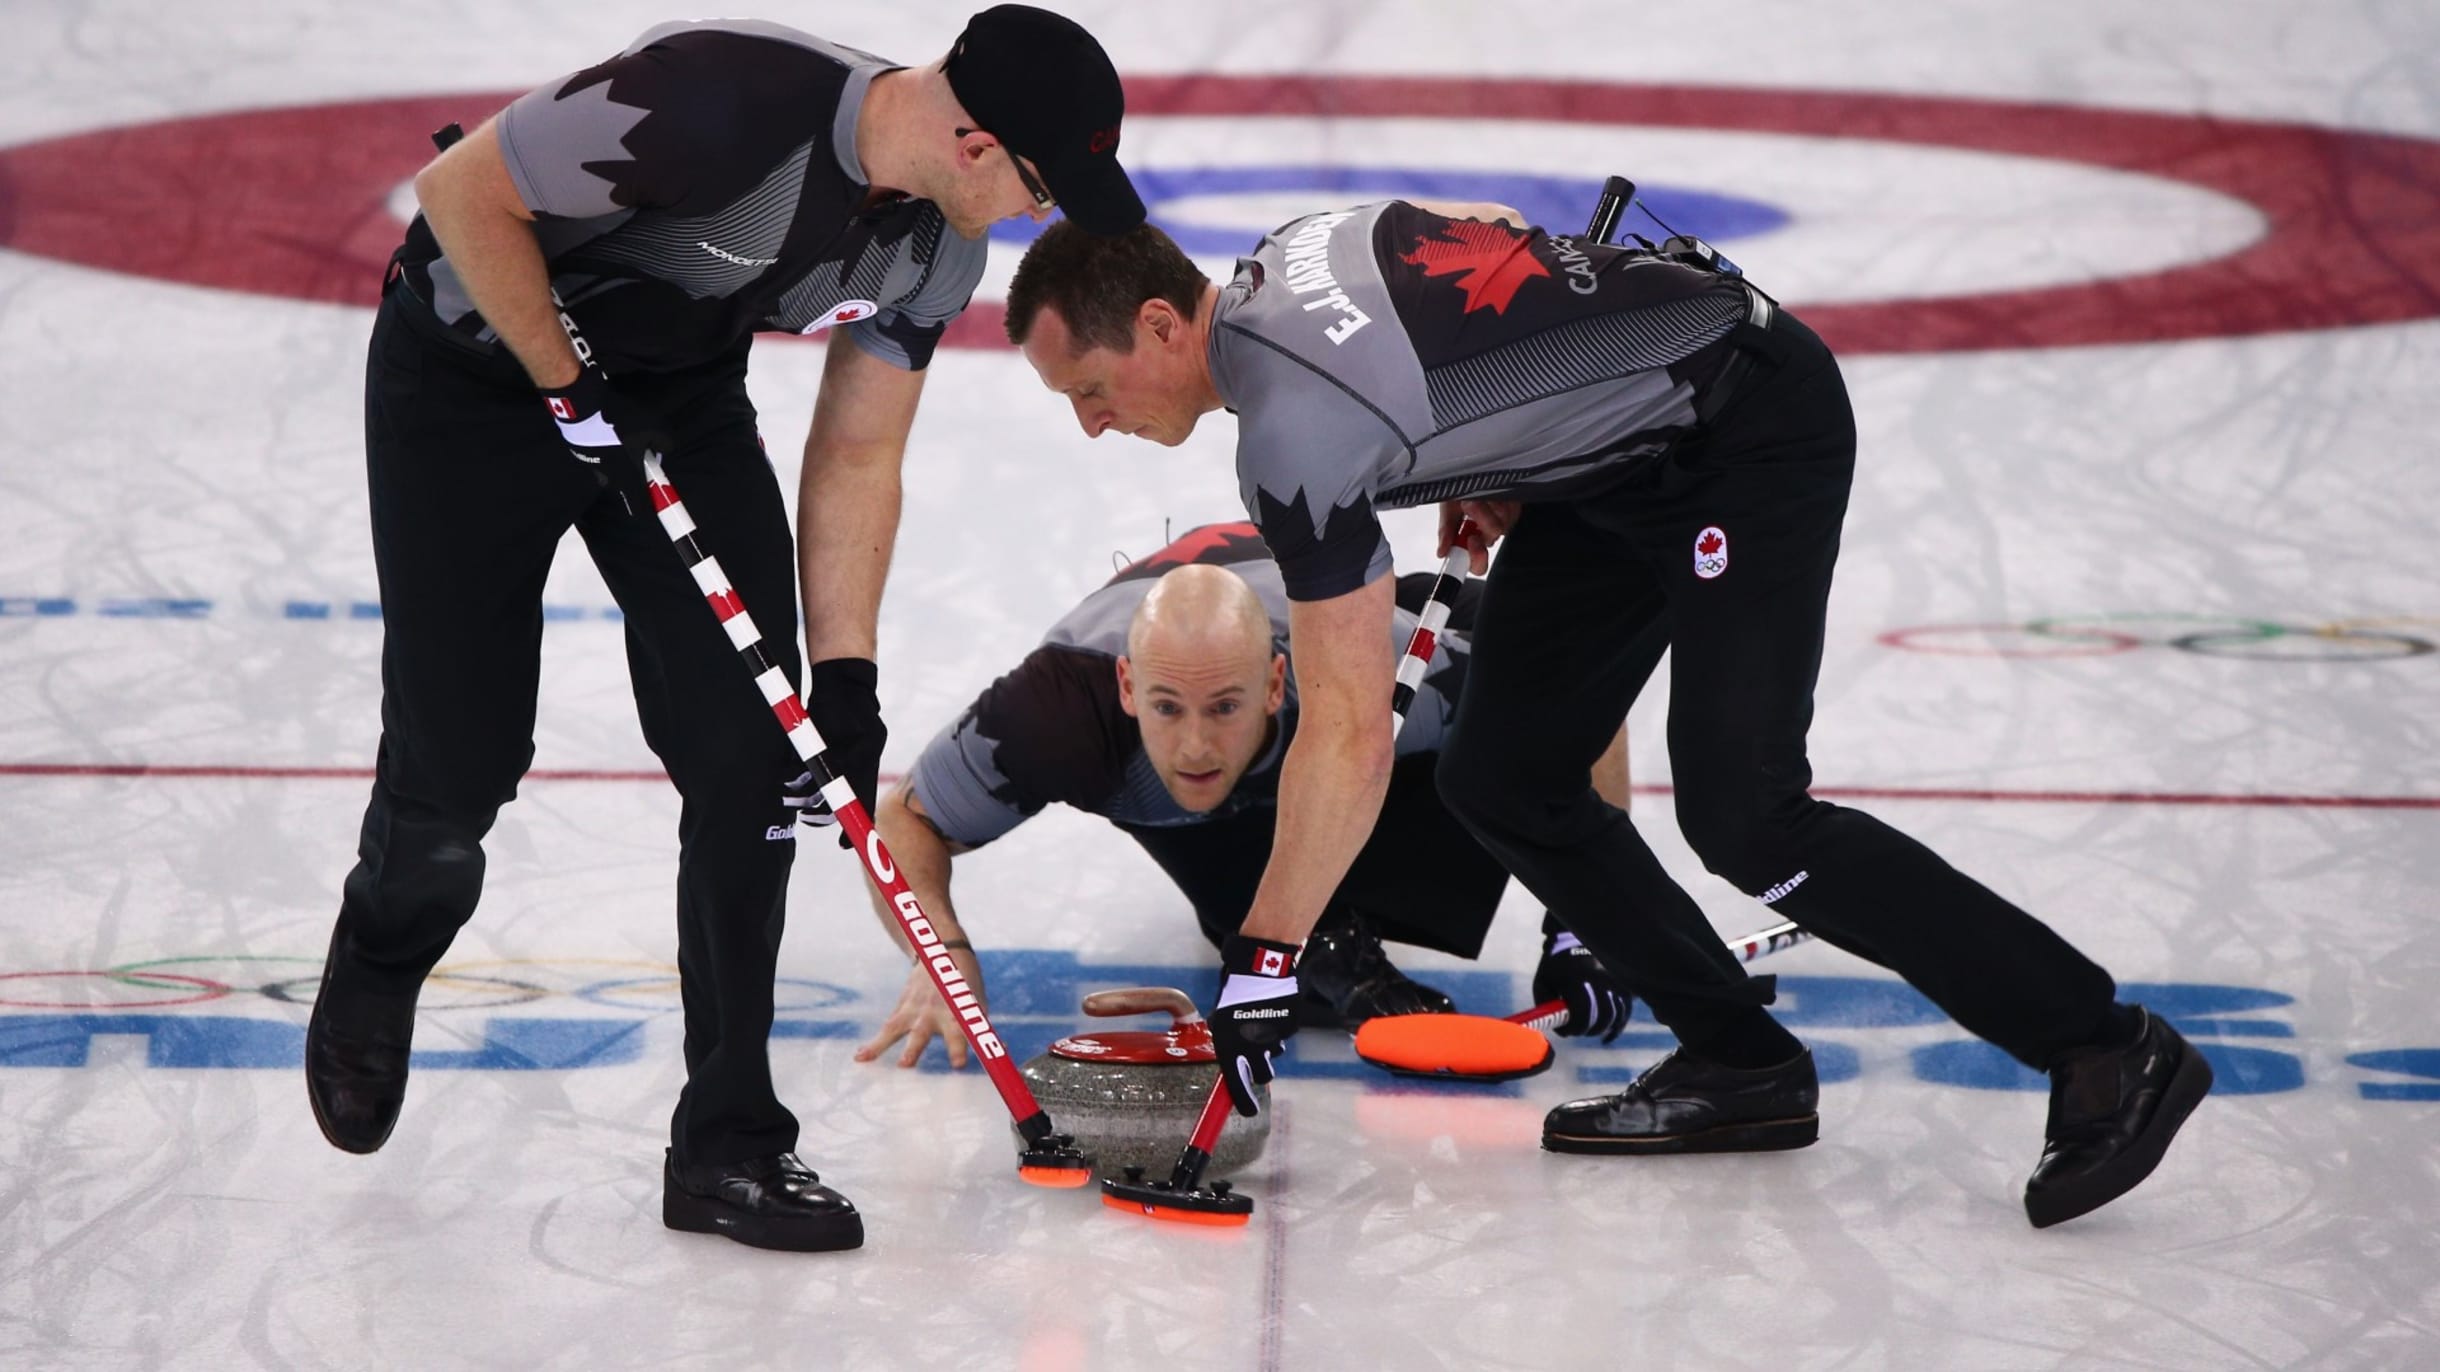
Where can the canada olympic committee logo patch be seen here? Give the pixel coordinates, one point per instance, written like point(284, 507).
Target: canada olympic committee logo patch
point(1710, 552)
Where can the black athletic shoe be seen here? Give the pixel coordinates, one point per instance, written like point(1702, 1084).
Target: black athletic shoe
point(356, 1046)
point(2112, 1114)
point(773, 1202)
point(1684, 1104)
point(1345, 979)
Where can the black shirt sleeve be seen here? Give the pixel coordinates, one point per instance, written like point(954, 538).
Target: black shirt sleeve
point(1049, 731)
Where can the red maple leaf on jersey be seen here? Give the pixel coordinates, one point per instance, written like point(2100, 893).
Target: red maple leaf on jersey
point(1708, 544)
point(1192, 545)
point(1200, 541)
point(1493, 257)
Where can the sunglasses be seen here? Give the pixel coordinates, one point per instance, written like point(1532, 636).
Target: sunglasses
point(1040, 193)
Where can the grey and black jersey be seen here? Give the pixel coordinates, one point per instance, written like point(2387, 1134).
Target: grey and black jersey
point(1385, 356)
point(704, 184)
point(1052, 730)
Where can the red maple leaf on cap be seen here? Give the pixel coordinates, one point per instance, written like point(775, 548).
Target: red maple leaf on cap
point(1708, 544)
point(1492, 256)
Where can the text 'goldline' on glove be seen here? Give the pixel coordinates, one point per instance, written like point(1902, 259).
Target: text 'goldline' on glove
point(1255, 1016)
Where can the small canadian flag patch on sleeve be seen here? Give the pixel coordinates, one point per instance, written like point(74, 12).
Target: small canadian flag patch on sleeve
point(1272, 963)
point(845, 312)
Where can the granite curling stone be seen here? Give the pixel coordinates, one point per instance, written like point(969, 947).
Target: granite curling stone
point(1131, 1097)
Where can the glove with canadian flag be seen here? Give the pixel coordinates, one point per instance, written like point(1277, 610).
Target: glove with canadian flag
point(1256, 1014)
point(597, 422)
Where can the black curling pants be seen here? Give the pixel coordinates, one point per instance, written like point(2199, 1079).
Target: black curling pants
point(471, 492)
point(1578, 608)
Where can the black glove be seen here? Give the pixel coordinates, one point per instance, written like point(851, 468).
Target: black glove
point(1256, 1014)
point(840, 698)
point(1596, 1003)
point(598, 422)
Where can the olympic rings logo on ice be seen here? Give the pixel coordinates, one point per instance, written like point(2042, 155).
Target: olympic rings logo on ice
point(164, 983)
point(2374, 639)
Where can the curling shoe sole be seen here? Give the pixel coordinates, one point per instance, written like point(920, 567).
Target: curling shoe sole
point(696, 1215)
point(1755, 1136)
point(1687, 1104)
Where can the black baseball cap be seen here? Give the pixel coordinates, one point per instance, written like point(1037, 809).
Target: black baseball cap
point(1045, 87)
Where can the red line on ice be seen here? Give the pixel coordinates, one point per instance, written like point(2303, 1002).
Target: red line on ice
point(2262, 799)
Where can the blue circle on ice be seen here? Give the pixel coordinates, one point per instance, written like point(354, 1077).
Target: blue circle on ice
point(1224, 211)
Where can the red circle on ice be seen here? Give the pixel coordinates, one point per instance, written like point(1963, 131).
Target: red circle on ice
point(294, 202)
point(204, 989)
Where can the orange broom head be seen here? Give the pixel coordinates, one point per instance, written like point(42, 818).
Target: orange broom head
point(1060, 1175)
point(1465, 1047)
point(1177, 1214)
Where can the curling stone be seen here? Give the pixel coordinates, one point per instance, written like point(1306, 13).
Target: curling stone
point(1131, 1097)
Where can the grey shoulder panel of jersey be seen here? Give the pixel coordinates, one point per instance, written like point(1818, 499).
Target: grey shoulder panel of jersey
point(959, 784)
point(1313, 291)
point(547, 153)
point(759, 28)
point(948, 285)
